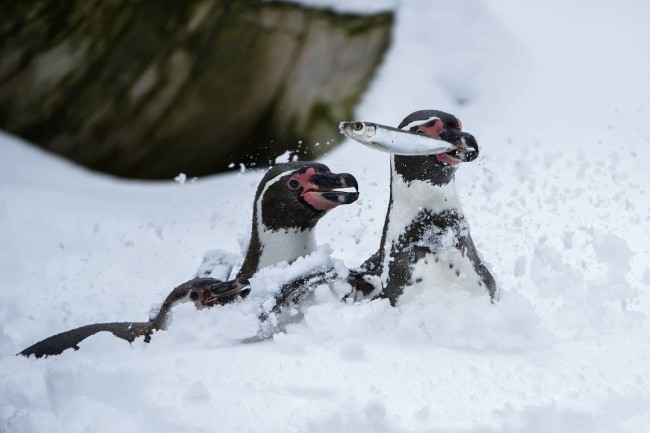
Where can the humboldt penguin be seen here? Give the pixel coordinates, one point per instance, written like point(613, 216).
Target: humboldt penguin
point(203, 292)
point(426, 240)
point(290, 199)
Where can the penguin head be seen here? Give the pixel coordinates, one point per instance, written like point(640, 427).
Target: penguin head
point(208, 292)
point(215, 292)
point(443, 126)
point(297, 194)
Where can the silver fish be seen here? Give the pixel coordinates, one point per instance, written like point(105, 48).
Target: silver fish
point(395, 141)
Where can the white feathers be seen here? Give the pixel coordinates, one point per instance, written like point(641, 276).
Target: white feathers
point(446, 271)
point(284, 245)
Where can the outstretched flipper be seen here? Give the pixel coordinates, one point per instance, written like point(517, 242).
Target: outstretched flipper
point(292, 293)
point(56, 344)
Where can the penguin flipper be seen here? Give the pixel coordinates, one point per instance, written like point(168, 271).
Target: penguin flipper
point(292, 293)
point(361, 287)
point(485, 277)
point(56, 344)
point(365, 280)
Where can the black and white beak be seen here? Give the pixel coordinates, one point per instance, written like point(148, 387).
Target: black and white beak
point(220, 292)
point(322, 190)
point(466, 145)
point(327, 183)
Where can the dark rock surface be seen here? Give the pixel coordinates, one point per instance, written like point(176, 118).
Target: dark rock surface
point(150, 89)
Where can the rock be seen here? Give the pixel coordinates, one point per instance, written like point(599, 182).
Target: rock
point(148, 90)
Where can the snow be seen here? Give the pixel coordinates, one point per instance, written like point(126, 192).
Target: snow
point(556, 94)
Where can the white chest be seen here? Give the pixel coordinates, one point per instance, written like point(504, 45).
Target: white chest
point(284, 245)
point(447, 270)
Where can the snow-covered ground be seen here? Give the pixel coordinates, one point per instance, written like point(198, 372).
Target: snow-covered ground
point(557, 94)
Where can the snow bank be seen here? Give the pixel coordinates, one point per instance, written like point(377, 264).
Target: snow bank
point(558, 206)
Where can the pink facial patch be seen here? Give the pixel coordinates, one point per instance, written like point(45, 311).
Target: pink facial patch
point(432, 130)
point(315, 199)
point(304, 178)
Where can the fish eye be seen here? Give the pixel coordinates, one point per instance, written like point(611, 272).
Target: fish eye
point(294, 184)
point(194, 295)
point(357, 126)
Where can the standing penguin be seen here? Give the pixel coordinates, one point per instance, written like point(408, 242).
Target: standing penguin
point(425, 241)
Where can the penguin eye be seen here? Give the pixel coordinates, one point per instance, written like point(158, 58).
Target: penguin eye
point(419, 131)
point(194, 295)
point(294, 184)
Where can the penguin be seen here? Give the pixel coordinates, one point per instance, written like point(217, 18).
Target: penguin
point(426, 239)
point(290, 200)
point(203, 292)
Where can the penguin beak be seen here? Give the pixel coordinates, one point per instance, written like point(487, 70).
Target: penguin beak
point(222, 293)
point(466, 147)
point(322, 194)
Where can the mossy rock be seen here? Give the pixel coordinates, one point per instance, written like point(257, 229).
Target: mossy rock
point(150, 89)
